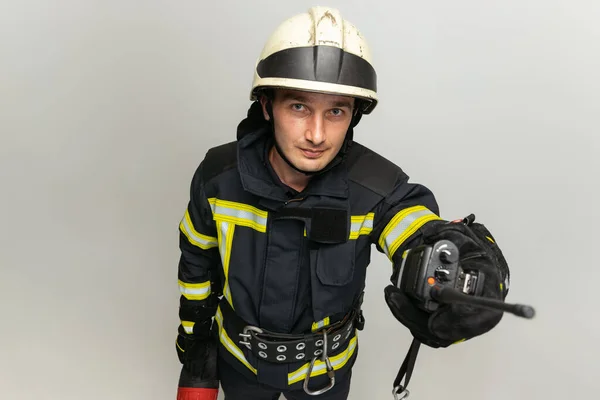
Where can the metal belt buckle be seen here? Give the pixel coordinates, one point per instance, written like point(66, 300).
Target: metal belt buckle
point(247, 334)
point(403, 394)
point(330, 371)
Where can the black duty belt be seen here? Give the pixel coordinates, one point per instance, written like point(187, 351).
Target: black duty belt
point(287, 348)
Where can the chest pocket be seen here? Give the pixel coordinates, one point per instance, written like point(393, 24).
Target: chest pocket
point(335, 259)
point(333, 252)
point(334, 263)
point(339, 262)
point(339, 266)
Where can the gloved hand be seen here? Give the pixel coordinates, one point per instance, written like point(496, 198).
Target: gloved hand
point(451, 323)
point(198, 379)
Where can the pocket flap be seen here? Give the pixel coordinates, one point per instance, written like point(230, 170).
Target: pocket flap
point(335, 263)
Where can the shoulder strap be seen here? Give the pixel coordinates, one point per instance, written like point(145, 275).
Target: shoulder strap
point(373, 171)
point(219, 159)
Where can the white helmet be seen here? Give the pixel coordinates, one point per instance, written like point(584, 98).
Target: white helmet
point(318, 51)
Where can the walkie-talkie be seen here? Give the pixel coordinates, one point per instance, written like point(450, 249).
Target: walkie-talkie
point(431, 275)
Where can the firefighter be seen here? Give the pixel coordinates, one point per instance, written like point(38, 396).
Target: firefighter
point(278, 232)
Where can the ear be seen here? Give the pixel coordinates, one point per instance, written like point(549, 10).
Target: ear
point(263, 102)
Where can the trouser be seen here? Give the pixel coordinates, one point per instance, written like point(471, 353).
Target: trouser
point(236, 386)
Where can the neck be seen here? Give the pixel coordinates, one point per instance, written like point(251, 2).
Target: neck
point(287, 174)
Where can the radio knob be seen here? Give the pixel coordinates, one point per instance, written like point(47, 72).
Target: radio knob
point(448, 257)
point(442, 275)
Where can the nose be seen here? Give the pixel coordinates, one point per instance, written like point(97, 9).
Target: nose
point(315, 132)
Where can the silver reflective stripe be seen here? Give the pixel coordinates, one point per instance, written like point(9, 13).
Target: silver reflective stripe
point(336, 362)
point(320, 324)
point(223, 242)
point(227, 294)
point(239, 214)
point(405, 224)
point(362, 224)
point(357, 226)
point(196, 238)
point(194, 288)
point(228, 343)
point(194, 291)
point(225, 239)
point(188, 326)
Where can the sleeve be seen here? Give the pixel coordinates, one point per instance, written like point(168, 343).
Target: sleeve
point(400, 217)
point(198, 271)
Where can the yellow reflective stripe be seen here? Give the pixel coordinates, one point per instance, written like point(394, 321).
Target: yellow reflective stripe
point(196, 238)
point(320, 324)
point(188, 326)
point(178, 346)
point(194, 291)
point(361, 225)
point(402, 226)
point(229, 344)
point(337, 362)
point(239, 214)
point(225, 238)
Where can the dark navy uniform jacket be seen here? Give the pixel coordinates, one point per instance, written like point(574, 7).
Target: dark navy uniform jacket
point(285, 261)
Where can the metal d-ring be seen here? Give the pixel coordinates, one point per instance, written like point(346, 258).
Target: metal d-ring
point(246, 335)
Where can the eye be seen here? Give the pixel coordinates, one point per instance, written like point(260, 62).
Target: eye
point(337, 112)
point(297, 107)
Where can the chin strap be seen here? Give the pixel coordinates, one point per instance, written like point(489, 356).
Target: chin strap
point(336, 160)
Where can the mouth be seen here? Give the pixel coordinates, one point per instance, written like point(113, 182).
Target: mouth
point(309, 153)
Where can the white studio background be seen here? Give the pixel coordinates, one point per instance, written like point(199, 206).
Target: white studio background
point(107, 107)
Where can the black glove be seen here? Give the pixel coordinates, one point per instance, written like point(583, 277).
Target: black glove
point(451, 323)
point(198, 354)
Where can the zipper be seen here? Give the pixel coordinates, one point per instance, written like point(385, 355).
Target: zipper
point(263, 271)
point(301, 256)
point(293, 200)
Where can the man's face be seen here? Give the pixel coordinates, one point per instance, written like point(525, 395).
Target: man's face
point(310, 127)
